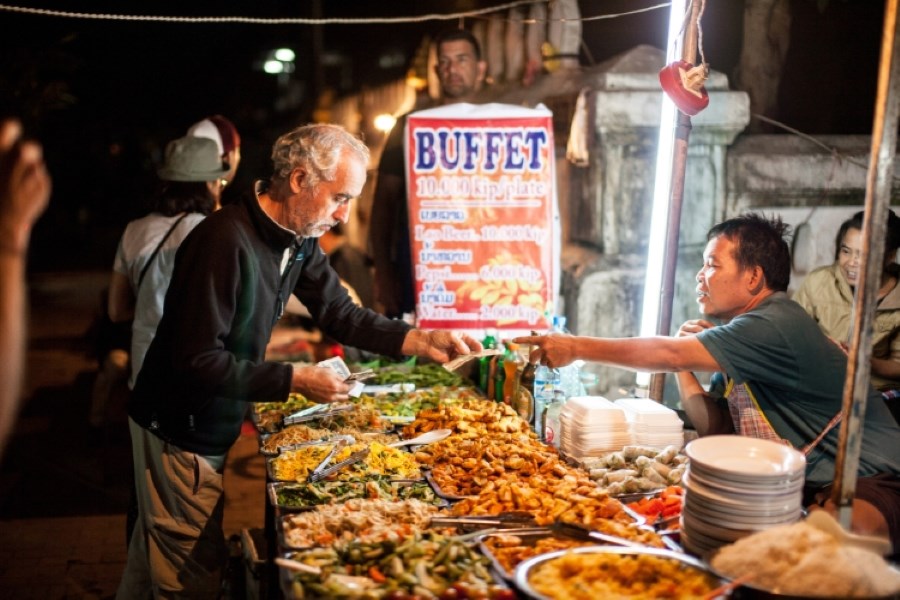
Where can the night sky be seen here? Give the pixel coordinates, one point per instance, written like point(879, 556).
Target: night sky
point(105, 96)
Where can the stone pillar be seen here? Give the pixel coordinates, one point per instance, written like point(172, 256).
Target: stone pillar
point(604, 262)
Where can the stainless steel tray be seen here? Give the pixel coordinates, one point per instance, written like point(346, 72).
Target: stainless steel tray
point(270, 462)
point(439, 491)
point(529, 537)
point(526, 567)
point(320, 411)
point(349, 439)
point(358, 488)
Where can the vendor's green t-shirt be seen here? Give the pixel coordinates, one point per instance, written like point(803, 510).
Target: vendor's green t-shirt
point(797, 376)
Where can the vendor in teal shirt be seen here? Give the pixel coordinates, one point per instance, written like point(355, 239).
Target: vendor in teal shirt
point(777, 376)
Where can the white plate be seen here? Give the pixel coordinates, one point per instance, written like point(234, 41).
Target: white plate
point(694, 524)
point(696, 548)
point(730, 518)
point(751, 505)
point(781, 488)
point(745, 456)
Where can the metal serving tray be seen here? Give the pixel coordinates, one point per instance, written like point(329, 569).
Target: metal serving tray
point(320, 411)
point(270, 462)
point(529, 537)
point(349, 439)
point(525, 568)
point(437, 488)
point(275, 488)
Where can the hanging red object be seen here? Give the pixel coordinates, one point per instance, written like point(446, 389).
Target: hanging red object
point(683, 83)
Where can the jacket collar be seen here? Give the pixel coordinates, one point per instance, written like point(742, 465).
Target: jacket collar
point(272, 233)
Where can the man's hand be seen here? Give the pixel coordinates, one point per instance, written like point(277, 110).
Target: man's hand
point(320, 384)
point(24, 186)
point(693, 327)
point(439, 346)
point(554, 350)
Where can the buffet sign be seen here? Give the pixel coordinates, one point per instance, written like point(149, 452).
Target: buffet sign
point(482, 216)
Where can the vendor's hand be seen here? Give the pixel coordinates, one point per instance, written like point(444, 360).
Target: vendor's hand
point(320, 384)
point(693, 327)
point(553, 350)
point(844, 346)
point(439, 346)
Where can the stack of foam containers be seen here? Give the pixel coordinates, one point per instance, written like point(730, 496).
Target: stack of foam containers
point(651, 423)
point(591, 426)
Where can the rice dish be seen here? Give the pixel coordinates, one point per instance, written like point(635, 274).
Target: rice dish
point(800, 559)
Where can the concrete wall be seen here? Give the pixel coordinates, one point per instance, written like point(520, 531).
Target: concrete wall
point(605, 259)
point(810, 187)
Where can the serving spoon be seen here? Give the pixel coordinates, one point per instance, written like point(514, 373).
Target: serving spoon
point(429, 437)
point(824, 521)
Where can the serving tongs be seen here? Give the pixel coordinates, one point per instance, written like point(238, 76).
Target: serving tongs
point(316, 411)
point(323, 470)
point(338, 444)
point(508, 520)
point(577, 532)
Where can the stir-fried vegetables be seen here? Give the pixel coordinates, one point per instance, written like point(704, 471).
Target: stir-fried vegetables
point(303, 495)
point(426, 564)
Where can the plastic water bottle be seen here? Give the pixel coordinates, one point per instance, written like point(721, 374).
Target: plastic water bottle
point(570, 380)
point(552, 422)
point(546, 384)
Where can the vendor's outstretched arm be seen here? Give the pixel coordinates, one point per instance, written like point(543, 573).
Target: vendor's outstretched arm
point(654, 354)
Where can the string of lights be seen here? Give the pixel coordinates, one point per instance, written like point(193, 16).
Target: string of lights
point(310, 21)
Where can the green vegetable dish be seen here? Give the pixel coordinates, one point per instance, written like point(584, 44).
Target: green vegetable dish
point(307, 495)
point(429, 375)
point(426, 565)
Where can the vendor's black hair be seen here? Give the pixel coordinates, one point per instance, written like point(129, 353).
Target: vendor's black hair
point(760, 242)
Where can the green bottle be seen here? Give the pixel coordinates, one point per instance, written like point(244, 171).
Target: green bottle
point(484, 363)
point(499, 376)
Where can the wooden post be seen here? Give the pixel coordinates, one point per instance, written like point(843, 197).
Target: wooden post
point(878, 198)
point(676, 197)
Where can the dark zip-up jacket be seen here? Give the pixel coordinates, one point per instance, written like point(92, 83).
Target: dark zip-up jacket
point(226, 294)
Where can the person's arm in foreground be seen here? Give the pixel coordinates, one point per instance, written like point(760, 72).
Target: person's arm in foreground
point(704, 412)
point(24, 192)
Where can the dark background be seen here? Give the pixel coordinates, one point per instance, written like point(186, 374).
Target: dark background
point(104, 96)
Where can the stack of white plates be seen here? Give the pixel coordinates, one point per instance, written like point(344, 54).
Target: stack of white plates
point(591, 426)
point(651, 423)
point(735, 486)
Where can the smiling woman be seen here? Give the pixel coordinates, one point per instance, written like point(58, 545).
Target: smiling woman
point(827, 295)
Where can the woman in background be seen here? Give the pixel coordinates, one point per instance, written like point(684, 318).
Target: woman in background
point(192, 185)
point(827, 295)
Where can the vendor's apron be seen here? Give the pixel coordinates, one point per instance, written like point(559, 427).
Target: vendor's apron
point(750, 421)
point(746, 415)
